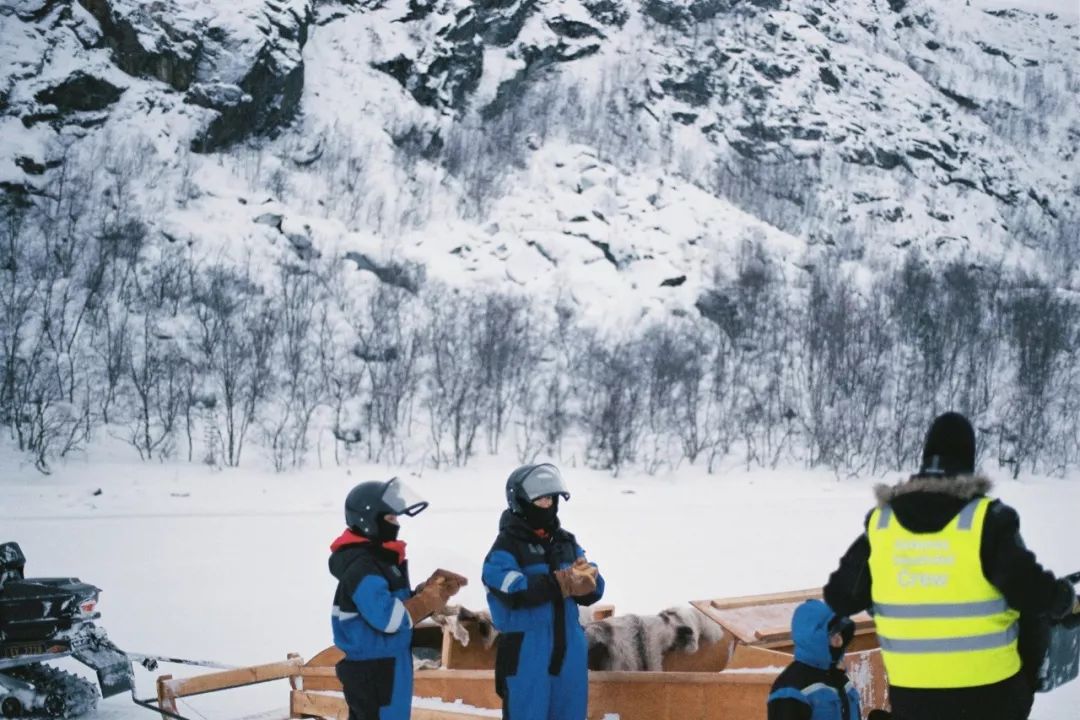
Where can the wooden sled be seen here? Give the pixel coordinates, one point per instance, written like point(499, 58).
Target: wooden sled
point(725, 680)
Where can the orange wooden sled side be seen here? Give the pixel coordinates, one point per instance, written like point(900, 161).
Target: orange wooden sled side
point(726, 680)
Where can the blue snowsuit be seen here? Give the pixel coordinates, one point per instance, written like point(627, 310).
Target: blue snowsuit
point(372, 627)
point(541, 670)
point(813, 687)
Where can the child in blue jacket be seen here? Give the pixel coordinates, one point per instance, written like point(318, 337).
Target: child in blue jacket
point(815, 686)
point(375, 607)
point(536, 576)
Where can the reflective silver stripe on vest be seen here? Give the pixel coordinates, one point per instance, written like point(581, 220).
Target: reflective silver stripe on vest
point(942, 610)
point(958, 644)
point(884, 517)
point(967, 515)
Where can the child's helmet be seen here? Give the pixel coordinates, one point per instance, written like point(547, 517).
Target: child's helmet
point(369, 501)
point(530, 482)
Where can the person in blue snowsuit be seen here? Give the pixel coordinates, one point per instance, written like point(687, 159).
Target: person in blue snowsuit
point(536, 576)
point(375, 607)
point(815, 686)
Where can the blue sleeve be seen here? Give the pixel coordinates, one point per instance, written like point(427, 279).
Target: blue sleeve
point(378, 607)
point(856, 707)
point(505, 579)
point(594, 597)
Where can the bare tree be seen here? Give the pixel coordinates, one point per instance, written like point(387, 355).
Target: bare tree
point(455, 397)
point(155, 373)
point(390, 345)
point(298, 395)
point(612, 401)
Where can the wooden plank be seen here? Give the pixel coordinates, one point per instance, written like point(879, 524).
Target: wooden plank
point(867, 672)
point(334, 707)
point(474, 656)
point(766, 619)
point(328, 657)
point(630, 695)
point(710, 657)
point(768, 599)
point(433, 714)
point(166, 700)
point(319, 679)
point(212, 682)
point(614, 676)
point(302, 702)
point(471, 687)
point(659, 700)
point(773, 634)
point(744, 621)
point(752, 657)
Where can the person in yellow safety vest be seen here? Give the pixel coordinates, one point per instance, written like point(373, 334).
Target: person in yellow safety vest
point(951, 585)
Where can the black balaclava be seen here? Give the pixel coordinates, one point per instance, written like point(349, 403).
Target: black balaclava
point(539, 518)
point(846, 628)
point(950, 447)
point(388, 531)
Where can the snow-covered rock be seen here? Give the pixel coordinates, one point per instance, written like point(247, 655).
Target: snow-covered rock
point(605, 148)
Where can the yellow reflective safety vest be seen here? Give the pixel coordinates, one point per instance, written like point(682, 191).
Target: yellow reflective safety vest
point(941, 624)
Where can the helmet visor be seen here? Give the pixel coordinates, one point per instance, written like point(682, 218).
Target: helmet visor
point(402, 499)
point(544, 480)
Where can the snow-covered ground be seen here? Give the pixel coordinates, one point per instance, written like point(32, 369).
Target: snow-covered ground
point(231, 565)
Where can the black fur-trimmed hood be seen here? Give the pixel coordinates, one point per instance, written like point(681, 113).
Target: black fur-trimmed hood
point(964, 487)
point(927, 504)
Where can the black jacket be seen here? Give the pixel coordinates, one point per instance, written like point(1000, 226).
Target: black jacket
point(800, 675)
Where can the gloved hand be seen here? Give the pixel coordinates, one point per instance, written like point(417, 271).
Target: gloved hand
point(454, 582)
point(574, 582)
point(582, 566)
point(449, 583)
point(1076, 606)
point(429, 598)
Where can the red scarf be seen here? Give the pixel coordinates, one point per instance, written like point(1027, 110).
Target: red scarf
point(350, 538)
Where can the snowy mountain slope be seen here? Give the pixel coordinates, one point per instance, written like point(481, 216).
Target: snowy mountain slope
point(423, 130)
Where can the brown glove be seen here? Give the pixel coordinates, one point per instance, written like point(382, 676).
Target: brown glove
point(582, 566)
point(448, 582)
point(430, 598)
point(573, 583)
point(454, 582)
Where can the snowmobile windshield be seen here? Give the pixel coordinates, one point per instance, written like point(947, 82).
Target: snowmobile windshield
point(402, 499)
point(543, 481)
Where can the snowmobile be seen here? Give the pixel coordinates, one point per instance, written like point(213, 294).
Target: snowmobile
point(42, 620)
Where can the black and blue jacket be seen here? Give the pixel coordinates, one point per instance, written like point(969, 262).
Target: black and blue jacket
point(813, 687)
point(372, 627)
point(541, 668)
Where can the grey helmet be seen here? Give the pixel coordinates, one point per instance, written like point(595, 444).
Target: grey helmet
point(530, 482)
point(369, 501)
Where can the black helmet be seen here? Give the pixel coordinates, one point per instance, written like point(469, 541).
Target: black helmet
point(530, 482)
point(370, 501)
